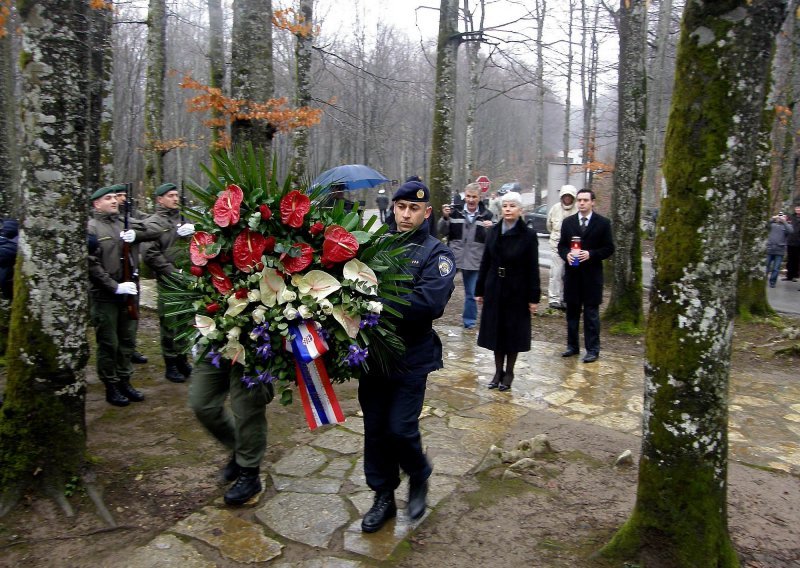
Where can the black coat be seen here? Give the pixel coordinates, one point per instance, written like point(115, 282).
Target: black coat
point(584, 283)
point(505, 318)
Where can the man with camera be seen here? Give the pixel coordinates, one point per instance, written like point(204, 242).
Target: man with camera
point(466, 229)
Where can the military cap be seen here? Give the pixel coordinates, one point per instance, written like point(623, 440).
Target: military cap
point(164, 188)
point(119, 188)
point(103, 191)
point(412, 191)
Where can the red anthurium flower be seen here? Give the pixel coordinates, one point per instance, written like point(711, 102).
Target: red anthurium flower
point(293, 264)
point(241, 293)
point(197, 247)
point(339, 245)
point(269, 245)
point(212, 308)
point(266, 213)
point(247, 250)
point(294, 207)
point(226, 209)
point(316, 228)
point(219, 279)
point(196, 270)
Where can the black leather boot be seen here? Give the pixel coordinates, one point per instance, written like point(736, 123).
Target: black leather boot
point(129, 392)
point(383, 509)
point(417, 498)
point(114, 396)
point(171, 372)
point(231, 471)
point(138, 359)
point(247, 486)
point(182, 362)
point(508, 378)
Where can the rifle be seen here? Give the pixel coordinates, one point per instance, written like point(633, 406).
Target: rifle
point(129, 270)
point(183, 201)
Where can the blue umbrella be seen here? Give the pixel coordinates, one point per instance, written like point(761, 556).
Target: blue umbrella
point(352, 176)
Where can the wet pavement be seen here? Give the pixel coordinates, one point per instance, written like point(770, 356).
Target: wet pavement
point(310, 516)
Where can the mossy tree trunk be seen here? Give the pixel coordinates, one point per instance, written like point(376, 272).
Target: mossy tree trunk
point(625, 307)
point(680, 516)
point(251, 68)
point(42, 424)
point(154, 95)
point(216, 64)
point(100, 161)
point(304, 42)
point(539, 161)
point(444, 104)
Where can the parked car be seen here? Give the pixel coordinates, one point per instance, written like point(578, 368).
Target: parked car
point(536, 219)
point(511, 186)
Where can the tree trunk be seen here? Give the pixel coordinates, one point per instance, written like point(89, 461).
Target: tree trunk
point(539, 162)
point(625, 306)
point(782, 181)
point(655, 97)
point(565, 140)
point(589, 88)
point(441, 174)
point(154, 95)
point(304, 41)
point(216, 66)
point(473, 63)
point(100, 156)
point(680, 516)
point(251, 68)
point(42, 426)
point(8, 133)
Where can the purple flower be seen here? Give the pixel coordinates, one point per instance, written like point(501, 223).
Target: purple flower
point(264, 350)
point(369, 320)
point(249, 382)
point(324, 334)
point(261, 331)
point(265, 377)
point(356, 356)
point(214, 358)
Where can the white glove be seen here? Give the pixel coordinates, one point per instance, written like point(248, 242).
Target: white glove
point(185, 230)
point(128, 236)
point(127, 288)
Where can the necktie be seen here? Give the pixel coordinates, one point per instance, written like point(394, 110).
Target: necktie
point(583, 224)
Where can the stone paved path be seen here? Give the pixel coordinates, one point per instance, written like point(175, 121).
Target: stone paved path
point(310, 516)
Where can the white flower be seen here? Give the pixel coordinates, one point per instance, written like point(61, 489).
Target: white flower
point(362, 276)
point(318, 284)
point(374, 307)
point(271, 286)
point(259, 314)
point(287, 296)
point(326, 307)
point(305, 312)
point(234, 351)
point(234, 333)
point(204, 324)
point(290, 312)
point(349, 323)
point(236, 306)
point(254, 295)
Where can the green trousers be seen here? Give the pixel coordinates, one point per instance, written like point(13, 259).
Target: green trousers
point(243, 427)
point(169, 347)
point(116, 338)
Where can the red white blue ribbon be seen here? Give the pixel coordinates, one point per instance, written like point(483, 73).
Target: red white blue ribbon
point(316, 391)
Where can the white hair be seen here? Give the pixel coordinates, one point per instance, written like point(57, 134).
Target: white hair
point(512, 196)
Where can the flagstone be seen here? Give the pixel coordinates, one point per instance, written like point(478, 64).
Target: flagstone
point(338, 468)
point(301, 461)
point(307, 518)
point(307, 484)
point(339, 440)
point(167, 550)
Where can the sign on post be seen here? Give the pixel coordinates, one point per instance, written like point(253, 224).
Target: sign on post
point(484, 182)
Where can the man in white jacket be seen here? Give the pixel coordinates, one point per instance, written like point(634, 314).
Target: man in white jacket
point(558, 212)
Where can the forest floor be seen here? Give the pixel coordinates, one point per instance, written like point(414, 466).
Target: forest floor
point(155, 466)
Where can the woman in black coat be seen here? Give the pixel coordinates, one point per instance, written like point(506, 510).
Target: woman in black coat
point(508, 289)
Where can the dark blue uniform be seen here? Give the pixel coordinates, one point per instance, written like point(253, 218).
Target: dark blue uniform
point(392, 404)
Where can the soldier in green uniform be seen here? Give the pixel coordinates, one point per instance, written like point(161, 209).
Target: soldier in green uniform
point(111, 292)
point(159, 255)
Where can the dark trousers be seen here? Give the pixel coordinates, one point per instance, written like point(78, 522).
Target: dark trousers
point(392, 440)
point(591, 327)
point(792, 262)
point(116, 337)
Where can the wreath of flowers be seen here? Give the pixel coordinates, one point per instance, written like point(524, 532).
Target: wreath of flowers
point(267, 257)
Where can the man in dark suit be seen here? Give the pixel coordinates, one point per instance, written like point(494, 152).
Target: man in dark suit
point(583, 276)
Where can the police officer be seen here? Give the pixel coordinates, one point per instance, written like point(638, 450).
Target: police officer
point(112, 292)
point(159, 255)
point(392, 403)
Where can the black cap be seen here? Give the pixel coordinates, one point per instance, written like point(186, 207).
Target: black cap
point(412, 191)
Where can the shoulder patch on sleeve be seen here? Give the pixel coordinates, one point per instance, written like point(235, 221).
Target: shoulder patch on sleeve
point(446, 265)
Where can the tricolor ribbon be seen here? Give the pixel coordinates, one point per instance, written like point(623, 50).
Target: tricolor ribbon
point(316, 391)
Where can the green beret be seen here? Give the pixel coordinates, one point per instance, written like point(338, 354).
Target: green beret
point(164, 188)
point(119, 188)
point(103, 191)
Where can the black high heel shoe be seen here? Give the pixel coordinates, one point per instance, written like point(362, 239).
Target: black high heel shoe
point(495, 380)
